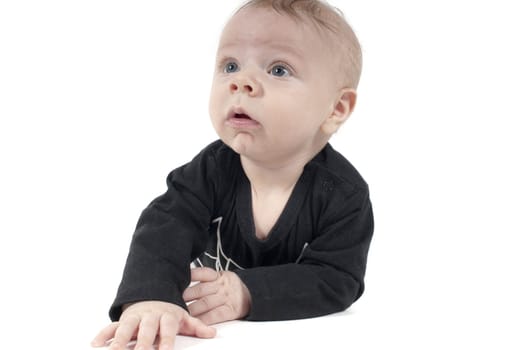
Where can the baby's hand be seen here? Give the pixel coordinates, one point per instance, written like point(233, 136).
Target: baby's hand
point(147, 319)
point(218, 297)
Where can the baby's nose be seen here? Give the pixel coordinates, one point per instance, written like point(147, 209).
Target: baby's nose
point(245, 85)
point(235, 87)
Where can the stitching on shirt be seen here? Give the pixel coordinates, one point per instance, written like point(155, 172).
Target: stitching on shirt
point(219, 251)
point(301, 253)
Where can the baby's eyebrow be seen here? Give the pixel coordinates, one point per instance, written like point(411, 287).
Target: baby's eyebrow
point(289, 49)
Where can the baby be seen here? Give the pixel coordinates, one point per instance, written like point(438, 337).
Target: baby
point(277, 222)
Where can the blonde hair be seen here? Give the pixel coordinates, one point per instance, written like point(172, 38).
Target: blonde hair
point(327, 20)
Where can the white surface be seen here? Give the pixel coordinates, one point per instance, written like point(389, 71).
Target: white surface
point(100, 99)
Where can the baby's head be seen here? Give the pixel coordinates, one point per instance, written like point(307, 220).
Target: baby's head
point(285, 79)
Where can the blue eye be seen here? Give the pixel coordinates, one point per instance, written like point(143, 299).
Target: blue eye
point(280, 71)
point(230, 67)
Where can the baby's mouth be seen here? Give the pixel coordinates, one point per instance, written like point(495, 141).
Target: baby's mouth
point(240, 120)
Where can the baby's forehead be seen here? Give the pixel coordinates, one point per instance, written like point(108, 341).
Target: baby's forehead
point(267, 27)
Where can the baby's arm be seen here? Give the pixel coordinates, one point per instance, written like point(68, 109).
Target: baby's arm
point(171, 232)
point(148, 319)
point(327, 278)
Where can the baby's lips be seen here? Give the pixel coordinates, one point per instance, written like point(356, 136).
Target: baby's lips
point(240, 119)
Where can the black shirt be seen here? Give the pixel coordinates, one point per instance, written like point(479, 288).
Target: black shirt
point(312, 262)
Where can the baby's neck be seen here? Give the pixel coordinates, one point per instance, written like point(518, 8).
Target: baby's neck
point(280, 173)
point(266, 177)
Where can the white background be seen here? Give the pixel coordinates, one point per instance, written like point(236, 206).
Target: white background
point(99, 100)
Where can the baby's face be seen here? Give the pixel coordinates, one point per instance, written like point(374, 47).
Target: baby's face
point(273, 87)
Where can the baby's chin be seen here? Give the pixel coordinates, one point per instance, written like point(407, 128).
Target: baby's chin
point(247, 147)
point(240, 143)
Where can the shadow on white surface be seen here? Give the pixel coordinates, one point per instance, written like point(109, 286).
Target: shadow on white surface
point(306, 334)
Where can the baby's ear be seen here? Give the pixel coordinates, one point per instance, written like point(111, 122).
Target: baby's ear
point(341, 111)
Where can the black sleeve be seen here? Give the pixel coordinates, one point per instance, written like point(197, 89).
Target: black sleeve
point(170, 233)
point(328, 278)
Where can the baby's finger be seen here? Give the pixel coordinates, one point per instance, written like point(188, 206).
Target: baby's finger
point(168, 329)
point(200, 290)
point(203, 274)
point(194, 327)
point(220, 314)
point(206, 304)
point(147, 332)
point(125, 332)
point(104, 335)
